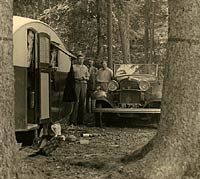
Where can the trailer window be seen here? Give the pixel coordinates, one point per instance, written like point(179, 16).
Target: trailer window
point(44, 50)
point(30, 46)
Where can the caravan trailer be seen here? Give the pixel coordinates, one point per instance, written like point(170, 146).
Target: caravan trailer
point(41, 64)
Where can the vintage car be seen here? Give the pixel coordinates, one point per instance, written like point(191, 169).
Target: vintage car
point(135, 91)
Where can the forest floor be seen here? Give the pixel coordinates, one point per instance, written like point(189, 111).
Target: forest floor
point(85, 157)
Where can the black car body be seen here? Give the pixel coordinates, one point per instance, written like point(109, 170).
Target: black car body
point(135, 89)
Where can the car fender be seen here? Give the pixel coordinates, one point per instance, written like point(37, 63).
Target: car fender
point(98, 94)
point(103, 102)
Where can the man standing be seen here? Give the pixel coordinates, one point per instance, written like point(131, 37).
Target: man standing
point(69, 96)
point(81, 75)
point(91, 83)
point(104, 76)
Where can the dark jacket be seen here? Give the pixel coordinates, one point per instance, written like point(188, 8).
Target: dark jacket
point(69, 91)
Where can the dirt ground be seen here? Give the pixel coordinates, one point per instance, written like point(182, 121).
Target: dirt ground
point(85, 157)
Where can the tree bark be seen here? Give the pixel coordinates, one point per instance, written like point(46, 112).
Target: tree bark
point(109, 33)
point(152, 12)
point(174, 152)
point(147, 29)
point(123, 23)
point(7, 132)
point(99, 29)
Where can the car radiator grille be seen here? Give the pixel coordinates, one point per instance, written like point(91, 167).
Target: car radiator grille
point(130, 99)
point(130, 96)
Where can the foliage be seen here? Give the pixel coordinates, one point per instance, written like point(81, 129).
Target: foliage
point(75, 22)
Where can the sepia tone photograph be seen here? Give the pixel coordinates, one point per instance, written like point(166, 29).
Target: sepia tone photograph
point(99, 89)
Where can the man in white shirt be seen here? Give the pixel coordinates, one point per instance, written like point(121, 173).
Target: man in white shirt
point(104, 76)
point(81, 75)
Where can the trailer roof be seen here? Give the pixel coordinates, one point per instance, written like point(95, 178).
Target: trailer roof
point(19, 22)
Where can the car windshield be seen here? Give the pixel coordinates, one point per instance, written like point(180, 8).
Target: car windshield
point(135, 69)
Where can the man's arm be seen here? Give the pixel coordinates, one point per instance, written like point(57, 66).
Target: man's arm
point(97, 75)
point(87, 74)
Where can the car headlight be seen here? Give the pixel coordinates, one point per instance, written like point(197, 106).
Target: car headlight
point(144, 85)
point(113, 85)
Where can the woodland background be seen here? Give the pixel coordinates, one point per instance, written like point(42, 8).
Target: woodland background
point(82, 25)
point(139, 27)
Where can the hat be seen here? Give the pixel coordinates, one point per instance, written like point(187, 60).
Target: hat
point(89, 59)
point(80, 54)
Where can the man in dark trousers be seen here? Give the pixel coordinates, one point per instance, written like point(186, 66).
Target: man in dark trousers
point(81, 75)
point(69, 96)
point(91, 83)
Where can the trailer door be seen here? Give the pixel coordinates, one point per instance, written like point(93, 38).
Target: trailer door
point(44, 77)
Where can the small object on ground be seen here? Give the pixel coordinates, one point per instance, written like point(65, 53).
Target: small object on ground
point(71, 138)
point(58, 167)
point(40, 141)
point(84, 141)
point(48, 146)
point(56, 128)
point(91, 155)
point(90, 135)
point(114, 145)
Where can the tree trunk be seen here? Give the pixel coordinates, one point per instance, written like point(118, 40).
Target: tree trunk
point(99, 29)
point(152, 12)
point(109, 33)
point(147, 29)
point(7, 131)
point(174, 152)
point(123, 23)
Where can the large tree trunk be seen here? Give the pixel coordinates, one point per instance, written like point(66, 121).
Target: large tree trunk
point(123, 23)
point(149, 18)
point(146, 29)
point(99, 4)
point(7, 130)
point(109, 32)
point(174, 152)
point(151, 48)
